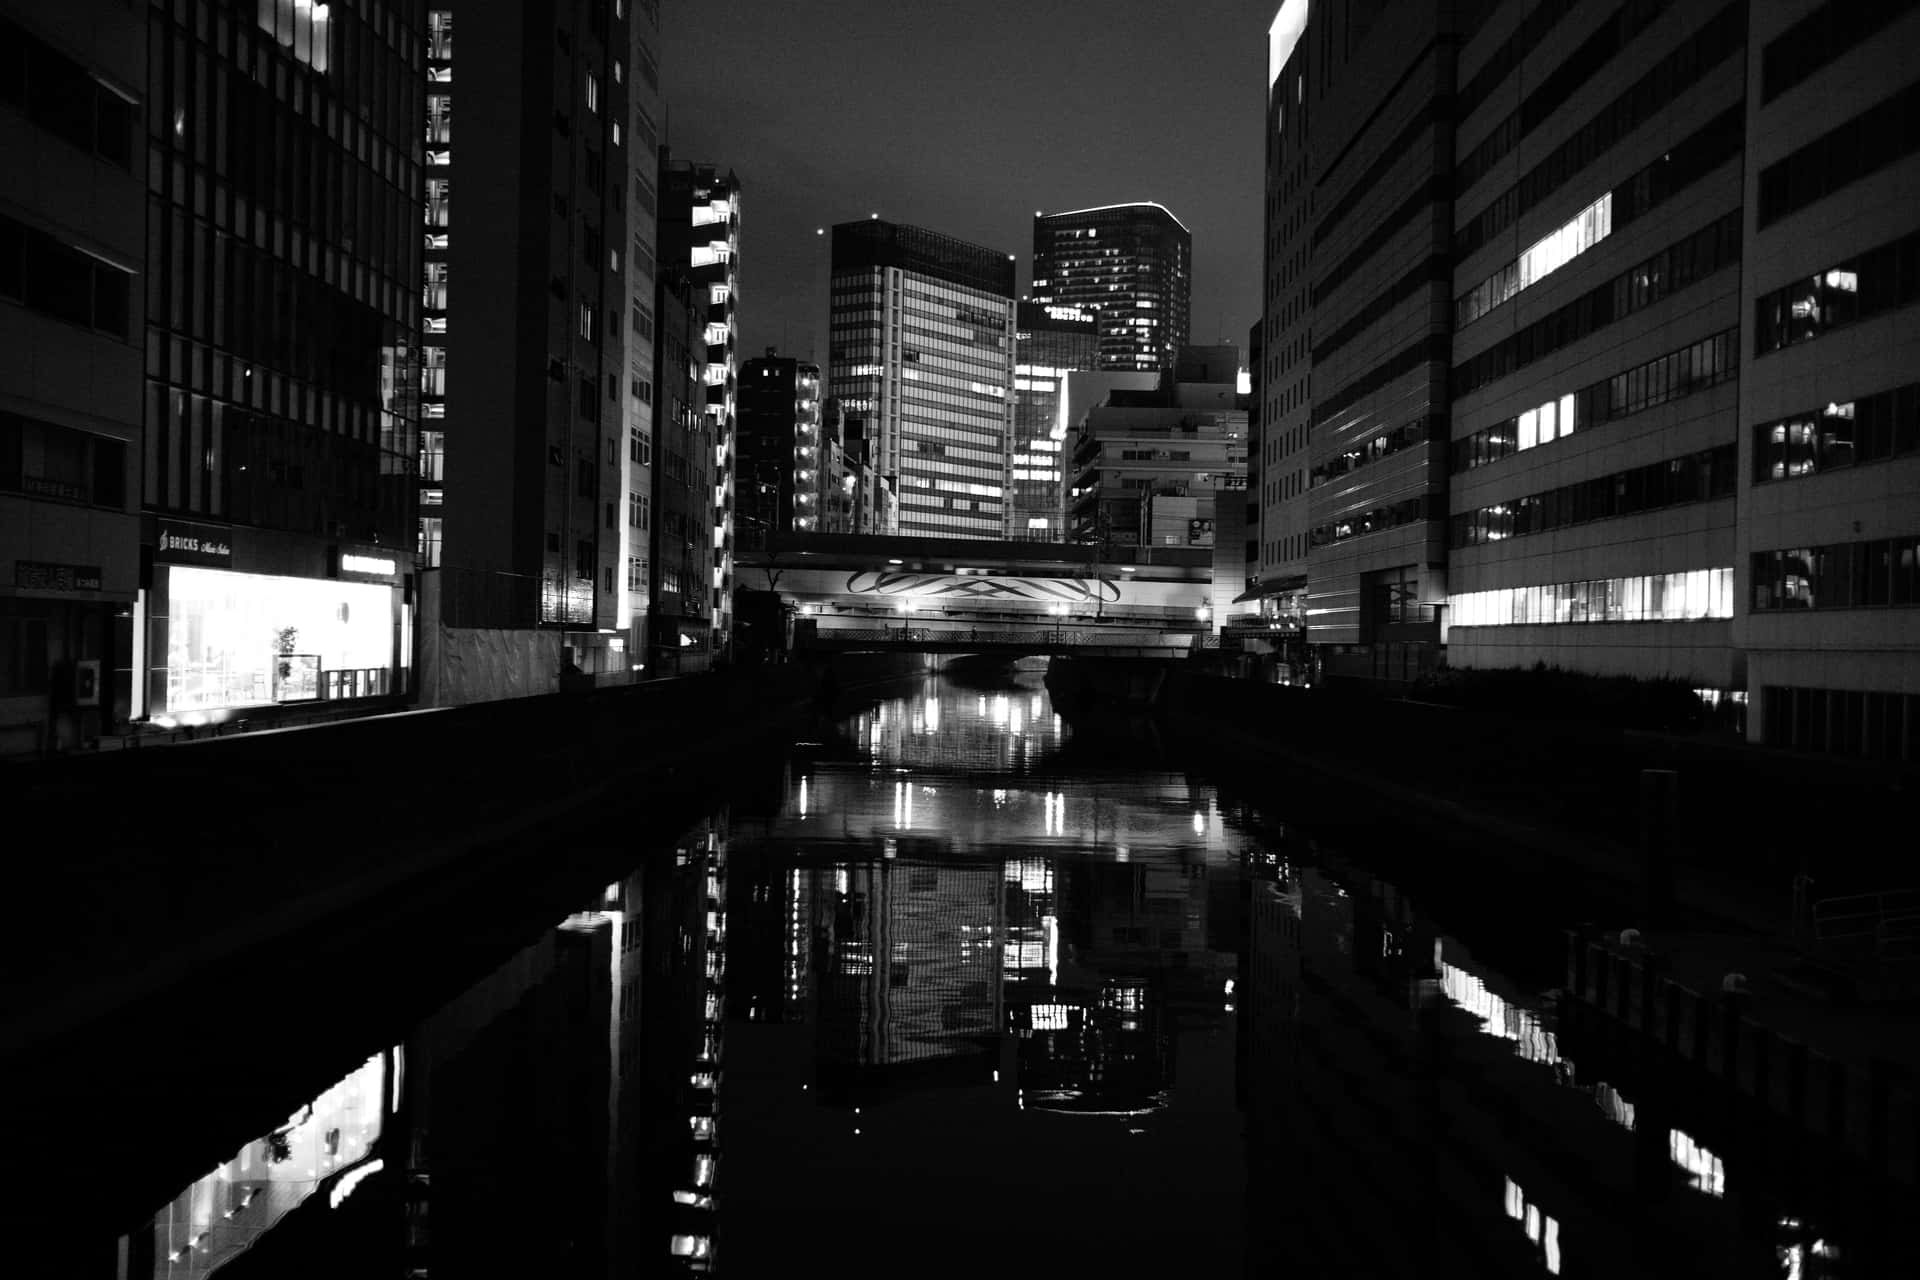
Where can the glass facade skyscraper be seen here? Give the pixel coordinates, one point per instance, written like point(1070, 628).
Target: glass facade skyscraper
point(1051, 342)
point(1130, 263)
point(922, 359)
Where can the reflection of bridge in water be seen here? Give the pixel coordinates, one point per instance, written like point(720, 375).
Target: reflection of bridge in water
point(975, 596)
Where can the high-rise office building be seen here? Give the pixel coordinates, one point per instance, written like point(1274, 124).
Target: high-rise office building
point(700, 235)
point(1677, 406)
point(72, 239)
point(922, 334)
point(1132, 264)
point(532, 414)
point(1828, 544)
point(1050, 342)
point(285, 183)
point(1281, 424)
point(1596, 309)
point(785, 461)
point(1377, 392)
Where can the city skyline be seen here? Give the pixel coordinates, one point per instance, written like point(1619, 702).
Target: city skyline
point(1153, 103)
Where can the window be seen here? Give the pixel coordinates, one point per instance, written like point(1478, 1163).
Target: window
point(1692, 368)
point(62, 281)
point(1681, 264)
point(1819, 38)
point(1876, 724)
point(1857, 289)
point(437, 205)
point(44, 460)
point(1546, 255)
point(439, 36)
point(639, 508)
point(1662, 597)
point(639, 447)
point(586, 319)
point(62, 97)
point(300, 27)
point(636, 578)
point(1875, 138)
point(583, 561)
point(439, 119)
point(589, 400)
point(1867, 429)
point(1696, 477)
point(1846, 575)
point(593, 92)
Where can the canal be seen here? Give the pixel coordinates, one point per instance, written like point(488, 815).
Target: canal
point(951, 986)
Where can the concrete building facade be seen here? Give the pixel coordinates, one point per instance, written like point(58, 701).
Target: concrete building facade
point(72, 244)
point(1596, 303)
point(1829, 389)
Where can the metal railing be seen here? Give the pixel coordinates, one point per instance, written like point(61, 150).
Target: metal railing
point(1885, 924)
point(1049, 637)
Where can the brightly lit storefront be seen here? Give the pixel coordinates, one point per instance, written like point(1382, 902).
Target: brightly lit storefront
point(236, 619)
point(241, 639)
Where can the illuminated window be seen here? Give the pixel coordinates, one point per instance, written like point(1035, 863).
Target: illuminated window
point(439, 119)
point(300, 26)
point(593, 92)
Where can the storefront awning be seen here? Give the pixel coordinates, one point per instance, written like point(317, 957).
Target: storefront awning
point(1279, 586)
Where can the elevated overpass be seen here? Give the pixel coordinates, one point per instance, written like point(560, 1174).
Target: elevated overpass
point(980, 596)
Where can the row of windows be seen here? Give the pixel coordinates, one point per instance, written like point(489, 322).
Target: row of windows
point(59, 280)
point(1540, 259)
point(1436, 191)
point(1417, 432)
point(330, 174)
point(1869, 429)
point(1857, 289)
point(1673, 269)
point(1697, 477)
point(60, 96)
point(1684, 163)
point(1359, 523)
point(1692, 368)
point(1501, 63)
point(1872, 140)
point(1847, 722)
point(44, 460)
point(1822, 36)
point(1558, 86)
point(1432, 350)
point(1687, 596)
point(1844, 575)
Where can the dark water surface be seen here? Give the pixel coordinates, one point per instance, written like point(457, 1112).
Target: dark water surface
point(957, 990)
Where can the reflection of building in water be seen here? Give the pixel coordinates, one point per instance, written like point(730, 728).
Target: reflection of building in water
point(329, 1146)
point(506, 1110)
point(1030, 953)
point(1110, 1054)
point(908, 958)
point(1151, 916)
point(682, 1013)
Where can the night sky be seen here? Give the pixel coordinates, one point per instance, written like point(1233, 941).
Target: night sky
point(965, 119)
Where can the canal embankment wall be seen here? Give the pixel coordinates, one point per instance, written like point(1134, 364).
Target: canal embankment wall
point(1745, 822)
point(131, 871)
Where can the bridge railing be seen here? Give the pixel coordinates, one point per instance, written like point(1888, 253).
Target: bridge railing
point(1031, 637)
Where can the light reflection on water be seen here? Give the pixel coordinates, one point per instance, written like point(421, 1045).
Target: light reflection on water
point(950, 970)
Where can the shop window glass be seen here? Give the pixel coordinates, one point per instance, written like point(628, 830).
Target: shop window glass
point(235, 639)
